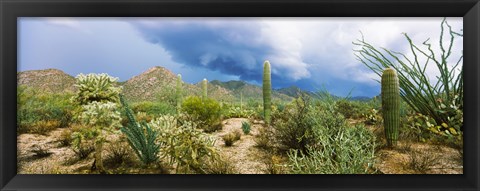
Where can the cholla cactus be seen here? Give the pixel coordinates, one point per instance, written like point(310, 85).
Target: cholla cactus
point(391, 105)
point(267, 92)
point(98, 96)
point(96, 87)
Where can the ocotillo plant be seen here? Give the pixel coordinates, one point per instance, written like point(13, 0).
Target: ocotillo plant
point(179, 91)
point(391, 105)
point(204, 88)
point(267, 92)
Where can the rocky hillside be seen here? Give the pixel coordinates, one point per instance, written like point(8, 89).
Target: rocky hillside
point(148, 86)
point(248, 90)
point(49, 80)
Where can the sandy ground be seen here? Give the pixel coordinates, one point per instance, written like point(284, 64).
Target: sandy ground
point(247, 158)
point(40, 154)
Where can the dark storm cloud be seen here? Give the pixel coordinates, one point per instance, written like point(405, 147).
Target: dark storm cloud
point(233, 49)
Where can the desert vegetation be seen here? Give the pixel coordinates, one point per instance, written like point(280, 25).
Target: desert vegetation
point(100, 125)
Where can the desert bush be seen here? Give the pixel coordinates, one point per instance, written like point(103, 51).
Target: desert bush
point(338, 150)
point(65, 138)
point(372, 117)
point(264, 138)
point(442, 100)
point(293, 126)
point(229, 139)
point(35, 106)
point(155, 109)
point(422, 162)
point(205, 112)
point(40, 127)
point(275, 165)
point(232, 111)
point(183, 144)
point(119, 153)
point(220, 165)
point(246, 127)
point(168, 95)
point(350, 109)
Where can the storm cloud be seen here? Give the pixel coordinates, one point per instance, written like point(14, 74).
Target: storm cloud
point(235, 47)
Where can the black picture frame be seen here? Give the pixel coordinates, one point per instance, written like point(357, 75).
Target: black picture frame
point(10, 10)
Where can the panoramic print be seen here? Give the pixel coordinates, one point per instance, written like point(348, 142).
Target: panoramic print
point(240, 95)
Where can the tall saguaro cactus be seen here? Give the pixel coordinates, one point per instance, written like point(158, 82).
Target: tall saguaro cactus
point(391, 105)
point(179, 91)
point(267, 92)
point(204, 88)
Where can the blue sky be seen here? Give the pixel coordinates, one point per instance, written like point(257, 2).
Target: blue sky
point(307, 52)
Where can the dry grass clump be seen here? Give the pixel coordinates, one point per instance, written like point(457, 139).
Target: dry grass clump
point(231, 138)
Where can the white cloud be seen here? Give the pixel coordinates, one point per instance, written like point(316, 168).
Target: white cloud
point(67, 22)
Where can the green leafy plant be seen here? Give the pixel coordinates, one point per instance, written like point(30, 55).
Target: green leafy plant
point(349, 109)
point(40, 112)
point(293, 126)
point(155, 109)
point(246, 127)
point(339, 150)
point(441, 100)
point(141, 137)
point(206, 113)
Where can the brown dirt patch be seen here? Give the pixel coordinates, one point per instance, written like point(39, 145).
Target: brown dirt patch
point(247, 158)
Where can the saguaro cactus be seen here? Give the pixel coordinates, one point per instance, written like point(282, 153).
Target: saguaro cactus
point(179, 91)
point(241, 101)
point(267, 92)
point(391, 105)
point(204, 88)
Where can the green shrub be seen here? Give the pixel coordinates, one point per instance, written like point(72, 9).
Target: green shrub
point(206, 113)
point(339, 150)
point(81, 138)
point(34, 107)
point(293, 126)
point(41, 127)
point(264, 138)
point(246, 127)
point(350, 109)
point(237, 112)
point(372, 117)
point(155, 109)
point(184, 145)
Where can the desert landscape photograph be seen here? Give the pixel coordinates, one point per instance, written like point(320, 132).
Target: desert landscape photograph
point(213, 95)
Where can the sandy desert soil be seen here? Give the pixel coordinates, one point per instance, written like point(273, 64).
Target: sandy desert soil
point(45, 154)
